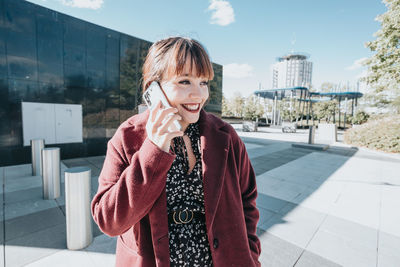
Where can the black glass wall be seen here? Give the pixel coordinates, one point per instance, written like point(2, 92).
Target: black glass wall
point(49, 57)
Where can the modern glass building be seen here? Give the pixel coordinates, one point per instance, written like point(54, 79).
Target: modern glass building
point(49, 57)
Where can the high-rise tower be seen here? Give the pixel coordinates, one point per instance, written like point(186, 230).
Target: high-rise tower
point(292, 70)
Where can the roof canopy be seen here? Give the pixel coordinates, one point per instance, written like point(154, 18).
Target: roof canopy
point(281, 93)
point(297, 92)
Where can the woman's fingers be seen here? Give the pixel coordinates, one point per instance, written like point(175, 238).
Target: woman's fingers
point(154, 110)
point(159, 121)
point(168, 121)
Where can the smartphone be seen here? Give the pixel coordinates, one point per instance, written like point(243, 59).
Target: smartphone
point(153, 95)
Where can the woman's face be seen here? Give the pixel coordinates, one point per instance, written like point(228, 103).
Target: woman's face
point(187, 93)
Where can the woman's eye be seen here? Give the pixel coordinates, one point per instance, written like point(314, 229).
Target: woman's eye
point(184, 82)
point(204, 83)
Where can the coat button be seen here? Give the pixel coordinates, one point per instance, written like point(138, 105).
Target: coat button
point(215, 243)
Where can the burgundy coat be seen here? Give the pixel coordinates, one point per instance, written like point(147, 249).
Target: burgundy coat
point(131, 200)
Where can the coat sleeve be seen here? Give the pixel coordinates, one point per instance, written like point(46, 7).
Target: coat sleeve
point(127, 191)
point(249, 194)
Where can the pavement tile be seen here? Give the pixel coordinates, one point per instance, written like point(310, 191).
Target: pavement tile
point(253, 146)
point(298, 226)
point(31, 247)
point(354, 205)
point(102, 259)
point(24, 194)
point(388, 250)
point(321, 199)
point(265, 182)
point(75, 162)
point(97, 161)
point(390, 207)
point(27, 207)
point(265, 215)
point(18, 171)
point(103, 244)
point(284, 190)
point(1, 235)
point(2, 256)
point(287, 208)
point(277, 252)
point(31, 223)
point(348, 230)
point(309, 259)
point(17, 184)
point(342, 250)
point(270, 203)
point(65, 258)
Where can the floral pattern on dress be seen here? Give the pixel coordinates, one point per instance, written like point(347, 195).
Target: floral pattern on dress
point(188, 243)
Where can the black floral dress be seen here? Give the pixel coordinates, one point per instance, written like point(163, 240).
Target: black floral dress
point(188, 243)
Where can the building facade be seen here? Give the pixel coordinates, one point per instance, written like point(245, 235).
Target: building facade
point(292, 70)
point(50, 57)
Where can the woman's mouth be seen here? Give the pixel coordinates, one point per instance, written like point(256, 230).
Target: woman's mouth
point(191, 107)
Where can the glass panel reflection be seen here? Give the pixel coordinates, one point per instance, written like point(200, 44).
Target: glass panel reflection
point(96, 79)
point(74, 77)
point(74, 32)
point(74, 56)
point(95, 38)
point(21, 45)
point(20, 18)
point(52, 93)
point(95, 60)
point(215, 88)
point(49, 27)
point(51, 73)
point(50, 51)
point(19, 90)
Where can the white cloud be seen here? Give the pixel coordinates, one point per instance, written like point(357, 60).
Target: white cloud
point(356, 64)
point(91, 4)
point(236, 70)
point(222, 12)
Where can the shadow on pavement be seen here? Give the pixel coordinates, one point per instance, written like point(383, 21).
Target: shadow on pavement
point(45, 227)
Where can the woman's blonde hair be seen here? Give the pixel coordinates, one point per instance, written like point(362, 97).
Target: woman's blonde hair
point(168, 57)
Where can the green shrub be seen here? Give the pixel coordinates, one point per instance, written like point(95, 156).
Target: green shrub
point(382, 134)
point(360, 117)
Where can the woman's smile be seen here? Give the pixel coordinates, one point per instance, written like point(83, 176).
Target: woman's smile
point(191, 107)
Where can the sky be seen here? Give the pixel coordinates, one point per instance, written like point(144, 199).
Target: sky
point(246, 37)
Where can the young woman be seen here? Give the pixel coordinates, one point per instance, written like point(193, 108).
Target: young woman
point(178, 198)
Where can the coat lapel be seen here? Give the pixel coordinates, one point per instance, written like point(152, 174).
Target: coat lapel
point(214, 149)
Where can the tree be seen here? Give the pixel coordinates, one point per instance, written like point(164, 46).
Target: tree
point(324, 110)
point(327, 87)
point(252, 109)
point(237, 104)
point(384, 65)
point(226, 111)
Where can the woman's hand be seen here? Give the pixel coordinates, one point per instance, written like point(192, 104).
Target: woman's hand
point(157, 126)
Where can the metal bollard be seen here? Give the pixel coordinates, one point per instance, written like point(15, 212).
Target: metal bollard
point(51, 172)
point(311, 135)
point(36, 149)
point(77, 207)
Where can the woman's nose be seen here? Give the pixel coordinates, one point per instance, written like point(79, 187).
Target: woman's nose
point(195, 91)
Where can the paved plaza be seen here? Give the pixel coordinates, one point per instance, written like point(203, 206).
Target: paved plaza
point(338, 207)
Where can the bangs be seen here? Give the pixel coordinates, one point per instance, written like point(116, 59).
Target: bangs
point(189, 52)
